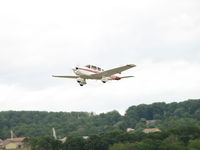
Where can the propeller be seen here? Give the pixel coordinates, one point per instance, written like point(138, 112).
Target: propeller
point(75, 68)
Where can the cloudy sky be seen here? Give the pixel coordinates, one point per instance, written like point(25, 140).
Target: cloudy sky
point(44, 37)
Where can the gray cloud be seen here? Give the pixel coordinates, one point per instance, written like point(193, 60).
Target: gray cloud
point(41, 38)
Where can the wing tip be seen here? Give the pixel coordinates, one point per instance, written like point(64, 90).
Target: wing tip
point(131, 65)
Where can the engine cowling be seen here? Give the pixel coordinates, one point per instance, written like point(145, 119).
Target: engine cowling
point(81, 81)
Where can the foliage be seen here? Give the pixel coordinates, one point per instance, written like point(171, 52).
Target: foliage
point(45, 143)
point(186, 112)
point(194, 144)
point(35, 123)
point(179, 123)
point(171, 139)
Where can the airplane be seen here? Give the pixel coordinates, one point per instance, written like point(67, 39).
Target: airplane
point(96, 73)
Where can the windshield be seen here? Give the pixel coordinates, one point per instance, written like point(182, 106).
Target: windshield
point(88, 66)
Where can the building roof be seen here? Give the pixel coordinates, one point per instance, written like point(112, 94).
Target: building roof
point(130, 129)
point(63, 139)
point(13, 140)
point(150, 130)
point(19, 139)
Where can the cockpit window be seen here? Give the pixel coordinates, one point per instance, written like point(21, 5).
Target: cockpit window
point(88, 66)
point(94, 68)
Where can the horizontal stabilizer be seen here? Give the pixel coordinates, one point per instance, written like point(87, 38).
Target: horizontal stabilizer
point(72, 77)
point(126, 77)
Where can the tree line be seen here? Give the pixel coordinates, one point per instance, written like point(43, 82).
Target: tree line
point(180, 138)
point(39, 124)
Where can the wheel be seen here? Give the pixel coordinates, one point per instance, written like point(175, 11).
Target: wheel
point(104, 81)
point(81, 84)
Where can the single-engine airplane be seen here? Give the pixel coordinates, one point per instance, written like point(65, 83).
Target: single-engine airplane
point(96, 73)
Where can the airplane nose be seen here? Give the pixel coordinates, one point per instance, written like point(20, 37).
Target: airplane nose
point(75, 69)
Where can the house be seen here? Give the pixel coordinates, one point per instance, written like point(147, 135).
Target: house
point(1, 145)
point(151, 130)
point(63, 140)
point(14, 143)
point(86, 137)
point(130, 130)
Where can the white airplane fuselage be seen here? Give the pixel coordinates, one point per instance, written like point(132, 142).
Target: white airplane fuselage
point(86, 73)
point(96, 73)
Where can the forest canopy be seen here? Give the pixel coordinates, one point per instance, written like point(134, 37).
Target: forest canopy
point(40, 123)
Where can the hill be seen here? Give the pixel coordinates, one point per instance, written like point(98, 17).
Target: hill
point(37, 123)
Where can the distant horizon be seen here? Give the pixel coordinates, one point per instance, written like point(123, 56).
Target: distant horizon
point(96, 112)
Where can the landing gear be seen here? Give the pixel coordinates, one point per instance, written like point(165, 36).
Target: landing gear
point(105, 79)
point(81, 81)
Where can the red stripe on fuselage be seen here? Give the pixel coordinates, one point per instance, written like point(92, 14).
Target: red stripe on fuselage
point(94, 71)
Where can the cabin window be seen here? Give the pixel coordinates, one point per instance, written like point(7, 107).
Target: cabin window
point(94, 67)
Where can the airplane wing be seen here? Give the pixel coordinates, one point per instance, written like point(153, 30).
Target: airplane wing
point(72, 77)
point(114, 71)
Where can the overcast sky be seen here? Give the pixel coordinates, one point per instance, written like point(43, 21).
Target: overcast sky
point(43, 37)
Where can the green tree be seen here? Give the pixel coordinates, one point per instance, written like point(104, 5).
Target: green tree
point(122, 146)
point(194, 145)
point(45, 143)
point(172, 143)
point(96, 142)
point(74, 143)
